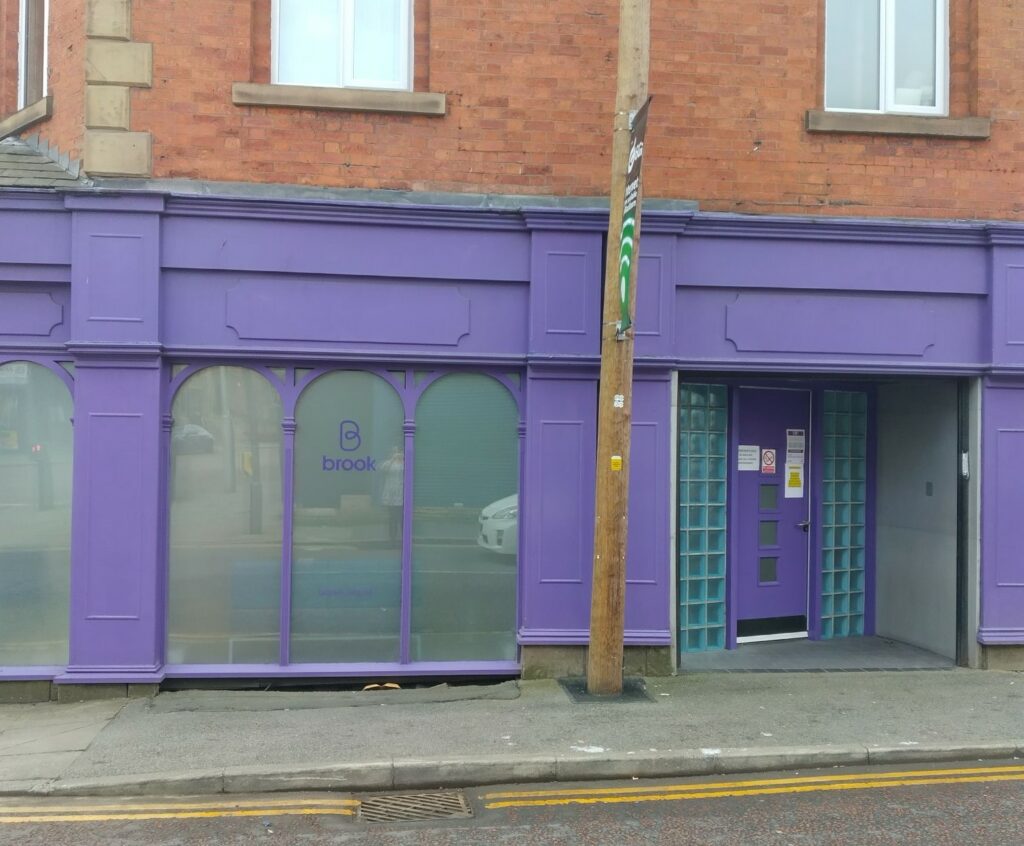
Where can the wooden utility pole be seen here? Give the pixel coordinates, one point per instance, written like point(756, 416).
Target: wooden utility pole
point(615, 400)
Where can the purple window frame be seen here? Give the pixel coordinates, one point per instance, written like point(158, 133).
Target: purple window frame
point(297, 378)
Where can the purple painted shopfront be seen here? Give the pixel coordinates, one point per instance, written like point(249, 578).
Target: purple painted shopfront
point(331, 439)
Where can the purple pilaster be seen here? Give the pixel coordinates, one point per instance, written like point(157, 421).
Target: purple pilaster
point(408, 505)
point(288, 427)
point(116, 619)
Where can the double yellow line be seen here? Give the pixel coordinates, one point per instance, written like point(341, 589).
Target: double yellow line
point(750, 787)
point(46, 813)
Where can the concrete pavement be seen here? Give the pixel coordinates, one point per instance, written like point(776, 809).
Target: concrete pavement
point(197, 742)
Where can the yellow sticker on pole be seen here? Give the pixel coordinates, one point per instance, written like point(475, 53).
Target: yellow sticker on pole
point(616, 463)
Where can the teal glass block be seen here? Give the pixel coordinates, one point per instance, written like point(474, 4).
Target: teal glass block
point(716, 613)
point(857, 603)
point(684, 518)
point(842, 626)
point(842, 468)
point(718, 420)
point(830, 468)
point(843, 491)
point(698, 468)
point(718, 396)
point(698, 442)
point(857, 514)
point(826, 606)
point(842, 604)
point(716, 493)
point(828, 537)
point(828, 493)
point(858, 469)
point(858, 448)
point(828, 447)
point(696, 541)
point(830, 400)
point(698, 516)
point(695, 590)
point(695, 615)
point(698, 493)
point(857, 534)
point(842, 561)
point(857, 492)
point(716, 468)
point(844, 401)
point(827, 583)
point(829, 425)
point(828, 514)
point(698, 395)
point(716, 589)
point(842, 582)
point(716, 516)
point(716, 565)
point(827, 560)
point(842, 536)
point(716, 638)
point(695, 640)
point(826, 629)
point(698, 418)
point(717, 444)
point(857, 625)
point(716, 540)
point(858, 424)
point(696, 566)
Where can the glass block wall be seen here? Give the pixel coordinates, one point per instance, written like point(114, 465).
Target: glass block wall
point(703, 447)
point(844, 509)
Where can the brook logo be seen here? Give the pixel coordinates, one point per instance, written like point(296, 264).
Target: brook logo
point(348, 437)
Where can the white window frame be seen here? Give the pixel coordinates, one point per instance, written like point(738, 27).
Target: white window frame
point(23, 51)
point(346, 52)
point(887, 60)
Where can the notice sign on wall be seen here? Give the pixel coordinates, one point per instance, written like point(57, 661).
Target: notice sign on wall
point(767, 461)
point(748, 457)
point(794, 486)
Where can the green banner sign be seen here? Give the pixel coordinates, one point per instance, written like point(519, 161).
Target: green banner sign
point(630, 241)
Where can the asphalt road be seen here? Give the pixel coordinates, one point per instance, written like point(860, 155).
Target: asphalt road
point(973, 804)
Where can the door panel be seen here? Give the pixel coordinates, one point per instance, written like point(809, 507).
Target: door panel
point(772, 533)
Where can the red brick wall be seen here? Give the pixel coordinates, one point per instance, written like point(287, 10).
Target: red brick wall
point(8, 57)
point(67, 76)
point(530, 88)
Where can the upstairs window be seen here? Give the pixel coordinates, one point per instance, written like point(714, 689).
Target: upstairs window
point(32, 22)
point(887, 56)
point(343, 43)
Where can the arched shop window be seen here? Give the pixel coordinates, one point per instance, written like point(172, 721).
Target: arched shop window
point(225, 525)
point(347, 521)
point(465, 527)
point(35, 515)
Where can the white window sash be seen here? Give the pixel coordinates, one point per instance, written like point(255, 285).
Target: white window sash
point(348, 75)
point(941, 73)
point(346, 53)
point(887, 72)
point(22, 52)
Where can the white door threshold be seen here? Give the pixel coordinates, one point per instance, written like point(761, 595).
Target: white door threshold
point(765, 638)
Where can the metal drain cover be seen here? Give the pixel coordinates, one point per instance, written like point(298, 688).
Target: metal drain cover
point(412, 807)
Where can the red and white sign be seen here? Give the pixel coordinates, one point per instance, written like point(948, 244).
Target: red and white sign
point(767, 461)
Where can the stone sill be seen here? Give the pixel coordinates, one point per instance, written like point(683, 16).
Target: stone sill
point(343, 99)
point(970, 128)
point(39, 110)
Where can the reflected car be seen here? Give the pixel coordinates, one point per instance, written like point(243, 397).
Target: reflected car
point(191, 438)
point(499, 526)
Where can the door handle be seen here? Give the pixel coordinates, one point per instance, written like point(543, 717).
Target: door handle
point(805, 525)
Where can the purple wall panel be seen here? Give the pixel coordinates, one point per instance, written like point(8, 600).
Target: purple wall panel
point(1002, 503)
point(29, 313)
point(655, 296)
point(115, 278)
point(403, 252)
point(838, 265)
point(1007, 307)
point(348, 311)
point(824, 331)
point(561, 438)
point(648, 565)
point(453, 318)
point(34, 237)
point(565, 297)
point(559, 515)
point(116, 501)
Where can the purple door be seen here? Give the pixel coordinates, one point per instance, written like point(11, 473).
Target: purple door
point(773, 459)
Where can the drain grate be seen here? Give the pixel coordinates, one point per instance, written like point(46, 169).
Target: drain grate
point(412, 807)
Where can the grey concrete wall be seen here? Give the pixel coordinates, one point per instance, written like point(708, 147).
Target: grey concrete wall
point(916, 514)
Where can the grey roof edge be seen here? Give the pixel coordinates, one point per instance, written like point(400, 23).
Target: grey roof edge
point(36, 141)
point(278, 191)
